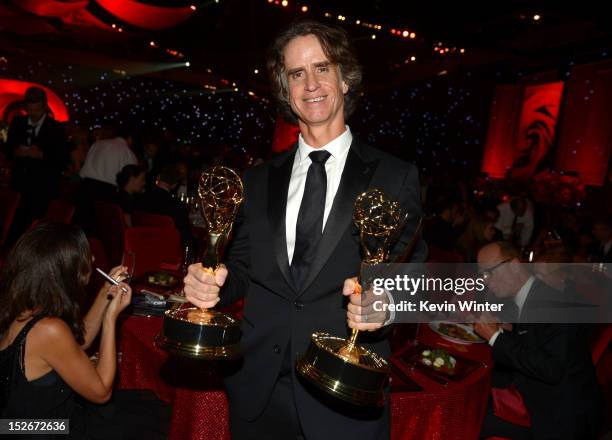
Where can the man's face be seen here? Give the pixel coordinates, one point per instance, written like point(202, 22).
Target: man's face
point(35, 110)
point(139, 183)
point(151, 149)
point(183, 171)
point(316, 93)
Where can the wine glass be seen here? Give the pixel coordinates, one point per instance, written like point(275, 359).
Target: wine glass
point(188, 258)
point(128, 260)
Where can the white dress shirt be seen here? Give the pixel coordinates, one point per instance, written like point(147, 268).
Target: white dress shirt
point(506, 218)
point(106, 158)
point(338, 148)
point(519, 300)
point(37, 125)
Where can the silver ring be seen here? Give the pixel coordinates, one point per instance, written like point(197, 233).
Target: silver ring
point(365, 318)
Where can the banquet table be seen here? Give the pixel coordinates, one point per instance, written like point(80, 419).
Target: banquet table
point(200, 408)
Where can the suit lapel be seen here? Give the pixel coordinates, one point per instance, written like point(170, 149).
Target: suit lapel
point(528, 305)
point(278, 187)
point(44, 127)
point(356, 176)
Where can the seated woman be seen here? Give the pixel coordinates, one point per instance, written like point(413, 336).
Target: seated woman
point(479, 232)
point(44, 370)
point(131, 180)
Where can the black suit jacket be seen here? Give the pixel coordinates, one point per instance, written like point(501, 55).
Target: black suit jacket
point(51, 140)
point(551, 366)
point(276, 316)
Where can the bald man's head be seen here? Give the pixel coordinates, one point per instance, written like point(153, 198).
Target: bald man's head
point(498, 251)
point(500, 265)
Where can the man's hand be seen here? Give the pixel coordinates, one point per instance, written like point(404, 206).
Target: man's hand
point(121, 297)
point(22, 151)
point(486, 326)
point(360, 309)
point(35, 152)
point(202, 286)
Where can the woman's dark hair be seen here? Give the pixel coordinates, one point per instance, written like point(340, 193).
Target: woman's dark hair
point(123, 176)
point(46, 272)
point(338, 50)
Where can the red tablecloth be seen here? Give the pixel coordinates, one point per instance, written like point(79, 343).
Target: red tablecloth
point(454, 411)
point(200, 408)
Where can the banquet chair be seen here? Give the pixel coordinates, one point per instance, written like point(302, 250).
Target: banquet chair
point(603, 370)
point(58, 211)
point(143, 218)
point(155, 248)
point(602, 338)
point(109, 227)
point(9, 201)
point(99, 254)
point(101, 261)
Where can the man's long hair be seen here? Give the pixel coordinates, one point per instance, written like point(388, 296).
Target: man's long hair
point(338, 50)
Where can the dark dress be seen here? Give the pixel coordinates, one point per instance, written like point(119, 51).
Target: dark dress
point(130, 413)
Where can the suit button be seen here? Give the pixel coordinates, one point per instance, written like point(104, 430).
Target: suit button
point(299, 305)
point(277, 348)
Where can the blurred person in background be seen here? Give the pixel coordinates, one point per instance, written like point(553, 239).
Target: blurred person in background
point(37, 144)
point(479, 231)
point(130, 181)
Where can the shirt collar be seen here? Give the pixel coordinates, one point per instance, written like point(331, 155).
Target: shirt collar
point(337, 147)
point(37, 124)
point(521, 296)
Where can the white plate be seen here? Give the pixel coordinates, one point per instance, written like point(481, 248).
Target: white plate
point(435, 324)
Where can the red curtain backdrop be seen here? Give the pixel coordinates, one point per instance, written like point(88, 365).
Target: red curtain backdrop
point(536, 129)
point(585, 133)
point(498, 154)
point(524, 120)
point(285, 135)
point(12, 91)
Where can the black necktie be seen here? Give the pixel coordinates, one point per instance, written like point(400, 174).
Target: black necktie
point(309, 226)
point(30, 134)
point(514, 314)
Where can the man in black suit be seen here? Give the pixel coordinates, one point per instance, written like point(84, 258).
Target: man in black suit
point(37, 144)
point(547, 361)
point(296, 251)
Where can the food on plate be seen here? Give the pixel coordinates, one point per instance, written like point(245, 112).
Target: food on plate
point(162, 279)
point(458, 332)
point(438, 359)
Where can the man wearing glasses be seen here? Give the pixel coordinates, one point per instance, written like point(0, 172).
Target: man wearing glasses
point(548, 363)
